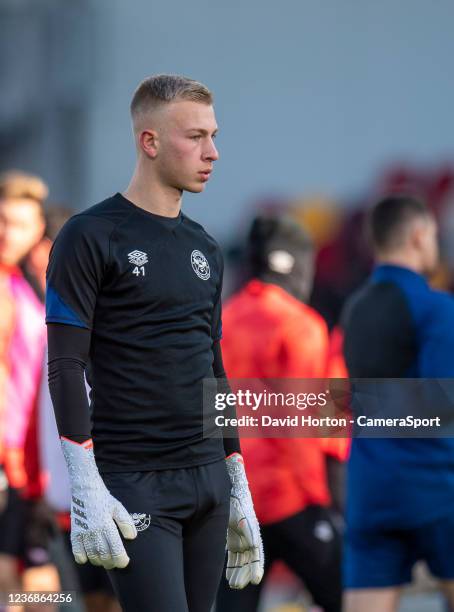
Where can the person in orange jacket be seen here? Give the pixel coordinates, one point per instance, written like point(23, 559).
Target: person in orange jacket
point(270, 332)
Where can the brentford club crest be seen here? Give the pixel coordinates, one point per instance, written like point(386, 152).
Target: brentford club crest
point(200, 265)
point(141, 520)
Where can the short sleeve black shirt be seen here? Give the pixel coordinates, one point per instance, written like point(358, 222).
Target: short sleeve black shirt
point(149, 289)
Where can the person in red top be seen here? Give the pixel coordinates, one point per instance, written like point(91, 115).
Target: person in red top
point(269, 332)
point(24, 559)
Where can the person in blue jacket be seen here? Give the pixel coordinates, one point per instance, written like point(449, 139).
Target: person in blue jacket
point(400, 496)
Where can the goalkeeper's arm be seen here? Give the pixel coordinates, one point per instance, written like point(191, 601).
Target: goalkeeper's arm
point(95, 514)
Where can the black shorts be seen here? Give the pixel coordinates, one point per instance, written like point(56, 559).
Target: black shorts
point(177, 559)
point(26, 531)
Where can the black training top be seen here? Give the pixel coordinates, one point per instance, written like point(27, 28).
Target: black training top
point(149, 289)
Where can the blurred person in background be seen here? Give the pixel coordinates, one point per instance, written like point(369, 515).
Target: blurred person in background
point(270, 332)
point(23, 343)
point(34, 265)
point(400, 494)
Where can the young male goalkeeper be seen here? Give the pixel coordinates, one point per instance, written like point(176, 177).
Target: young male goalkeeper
point(134, 298)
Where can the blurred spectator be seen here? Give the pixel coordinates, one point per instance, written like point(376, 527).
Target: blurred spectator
point(269, 332)
point(34, 265)
point(400, 491)
point(22, 524)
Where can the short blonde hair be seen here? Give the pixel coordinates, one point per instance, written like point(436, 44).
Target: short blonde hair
point(15, 184)
point(164, 88)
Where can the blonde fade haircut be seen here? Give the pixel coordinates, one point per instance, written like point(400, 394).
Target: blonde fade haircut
point(159, 89)
point(17, 185)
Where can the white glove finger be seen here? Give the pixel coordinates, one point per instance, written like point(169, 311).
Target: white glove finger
point(118, 553)
point(90, 540)
point(105, 553)
point(77, 546)
point(124, 521)
point(235, 562)
point(256, 566)
point(241, 575)
point(231, 564)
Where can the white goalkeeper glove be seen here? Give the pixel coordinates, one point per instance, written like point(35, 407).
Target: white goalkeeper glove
point(245, 558)
point(94, 511)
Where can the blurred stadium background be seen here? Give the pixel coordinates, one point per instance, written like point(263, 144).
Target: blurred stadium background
point(327, 101)
point(322, 106)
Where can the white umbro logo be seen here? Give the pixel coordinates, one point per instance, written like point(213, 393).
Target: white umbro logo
point(138, 258)
point(200, 265)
